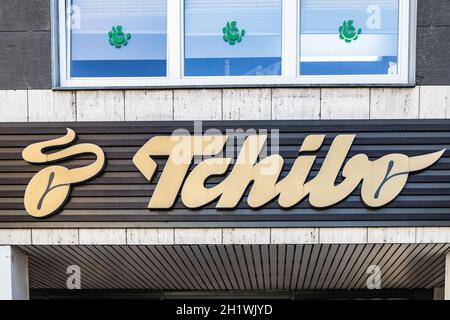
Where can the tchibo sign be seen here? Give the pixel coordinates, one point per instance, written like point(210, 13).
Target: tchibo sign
point(293, 171)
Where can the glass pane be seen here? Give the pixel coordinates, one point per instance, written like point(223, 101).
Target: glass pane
point(232, 38)
point(118, 38)
point(349, 37)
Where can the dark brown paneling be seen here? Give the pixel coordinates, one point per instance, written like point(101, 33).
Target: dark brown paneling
point(404, 266)
point(121, 193)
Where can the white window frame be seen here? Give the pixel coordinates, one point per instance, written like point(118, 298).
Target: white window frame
point(290, 56)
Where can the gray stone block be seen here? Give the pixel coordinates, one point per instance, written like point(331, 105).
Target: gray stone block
point(25, 60)
point(24, 15)
point(433, 13)
point(433, 60)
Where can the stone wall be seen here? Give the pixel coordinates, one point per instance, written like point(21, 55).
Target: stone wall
point(421, 102)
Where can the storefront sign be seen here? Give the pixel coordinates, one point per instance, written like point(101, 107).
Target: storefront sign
point(50, 188)
point(226, 171)
point(382, 180)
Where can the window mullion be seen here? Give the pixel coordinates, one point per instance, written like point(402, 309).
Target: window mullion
point(174, 38)
point(290, 38)
point(64, 46)
point(411, 44)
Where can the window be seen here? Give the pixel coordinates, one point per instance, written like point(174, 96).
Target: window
point(367, 43)
point(232, 38)
point(117, 38)
point(175, 43)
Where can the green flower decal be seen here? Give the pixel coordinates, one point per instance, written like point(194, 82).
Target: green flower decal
point(232, 34)
point(348, 32)
point(118, 38)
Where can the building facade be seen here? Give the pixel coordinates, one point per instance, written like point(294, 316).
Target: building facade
point(359, 86)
